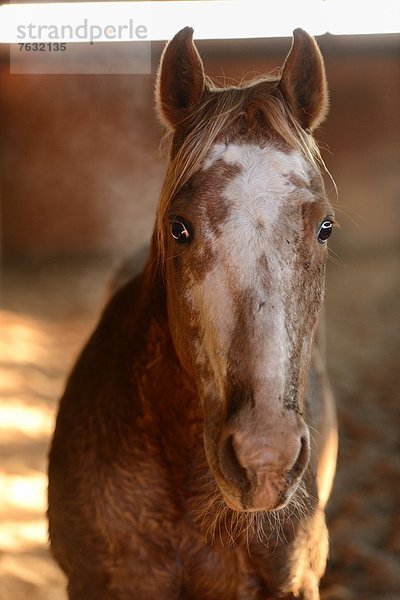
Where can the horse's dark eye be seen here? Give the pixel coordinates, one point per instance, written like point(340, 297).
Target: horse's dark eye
point(324, 231)
point(180, 231)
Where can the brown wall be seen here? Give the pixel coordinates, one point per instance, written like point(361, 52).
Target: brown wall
point(81, 171)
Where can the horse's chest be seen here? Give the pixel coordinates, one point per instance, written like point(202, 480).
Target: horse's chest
point(210, 572)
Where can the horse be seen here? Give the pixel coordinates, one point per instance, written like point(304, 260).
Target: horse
point(195, 444)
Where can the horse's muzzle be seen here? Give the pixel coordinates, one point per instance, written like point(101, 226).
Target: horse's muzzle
point(261, 472)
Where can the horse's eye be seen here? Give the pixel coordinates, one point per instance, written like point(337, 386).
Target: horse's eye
point(180, 231)
point(324, 231)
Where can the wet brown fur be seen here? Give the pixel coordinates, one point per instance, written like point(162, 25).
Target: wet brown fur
point(134, 512)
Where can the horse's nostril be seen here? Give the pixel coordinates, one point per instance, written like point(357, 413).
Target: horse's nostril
point(230, 465)
point(302, 460)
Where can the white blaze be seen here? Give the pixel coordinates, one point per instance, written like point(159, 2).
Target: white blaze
point(256, 199)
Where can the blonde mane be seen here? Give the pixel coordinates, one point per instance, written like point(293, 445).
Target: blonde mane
point(217, 114)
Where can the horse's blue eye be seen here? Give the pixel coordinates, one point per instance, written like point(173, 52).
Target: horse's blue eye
point(325, 231)
point(179, 231)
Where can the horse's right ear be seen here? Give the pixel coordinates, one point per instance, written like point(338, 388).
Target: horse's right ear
point(303, 81)
point(180, 79)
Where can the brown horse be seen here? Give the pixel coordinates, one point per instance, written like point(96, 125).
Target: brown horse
point(195, 444)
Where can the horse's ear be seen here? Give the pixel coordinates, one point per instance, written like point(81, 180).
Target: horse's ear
point(180, 80)
point(303, 81)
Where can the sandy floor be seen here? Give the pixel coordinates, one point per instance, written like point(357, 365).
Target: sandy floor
point(48, 312)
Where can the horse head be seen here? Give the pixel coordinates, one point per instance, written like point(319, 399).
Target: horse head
point(241, 229)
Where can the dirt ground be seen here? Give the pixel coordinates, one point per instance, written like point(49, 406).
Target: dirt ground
point(47, 312)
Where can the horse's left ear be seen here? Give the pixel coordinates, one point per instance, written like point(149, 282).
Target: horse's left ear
point(303, 81)
point(180, 79)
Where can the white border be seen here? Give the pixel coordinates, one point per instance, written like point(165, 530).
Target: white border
point(219, 19)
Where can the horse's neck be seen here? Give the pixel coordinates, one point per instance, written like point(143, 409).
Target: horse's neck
point(164, 386)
